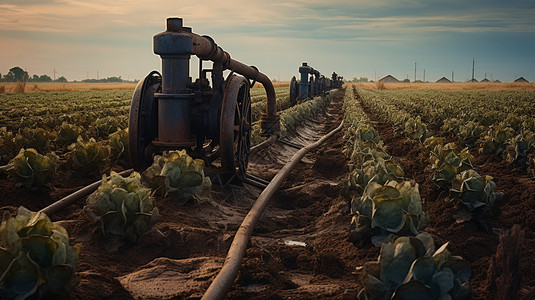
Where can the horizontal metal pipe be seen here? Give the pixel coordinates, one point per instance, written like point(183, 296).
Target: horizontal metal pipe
point(205, 48)
point(65, 201)
point(224, 280)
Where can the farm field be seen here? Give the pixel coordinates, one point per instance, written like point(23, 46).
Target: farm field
point(306, 245)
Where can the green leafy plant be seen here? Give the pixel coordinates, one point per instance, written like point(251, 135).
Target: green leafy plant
point(106, 126)
point(67, 134)
point(378, 170)
point(470, 133)
point(88, 158)
point(495, 140)
point(37, 139)
point(35, 257)
point(519, 149)
point(122, 207)
point(177, 173)
point(410, 268)
point(119, 150)
point(363, 152)
point(451, 125)
point(431, 143)
point(475, 196)
point(33, 170)
point(448, 161)
point(8, 147)
point(416, 129)
point(394, 208)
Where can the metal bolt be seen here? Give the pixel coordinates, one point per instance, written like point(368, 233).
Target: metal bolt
point(174, 24)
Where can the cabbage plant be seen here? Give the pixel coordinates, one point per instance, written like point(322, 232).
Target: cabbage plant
point(416, 129)
point(377, 170)
point(37, 139)
point(448, 161)
point(390, 209)
point(177, 173)
point(106, 126)
point(118, 142)
point(519, 148)
point(122, 207)
point(67, 134)
point(36, 258)
point(475, 195)
point(8, 148)
point(470, 133)
point(494, 142)
point(410, 268)
point(33, 170)
point(88, 157)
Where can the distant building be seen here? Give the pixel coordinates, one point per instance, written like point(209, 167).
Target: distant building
point(443, 80)
point(473, 80)
point(485, 80)
point(497, 81)
point(389, 79)
point(521, 80)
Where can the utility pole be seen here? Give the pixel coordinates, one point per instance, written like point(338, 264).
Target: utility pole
point(424, 75)
point(97, 75)
point(54, 74)
point(414, 71)
point(452, 76)
point(473, 67)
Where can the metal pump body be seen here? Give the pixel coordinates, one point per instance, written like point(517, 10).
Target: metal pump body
point(211, 120)
point(309, 87)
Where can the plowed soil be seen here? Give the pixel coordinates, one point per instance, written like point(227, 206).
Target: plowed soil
point(300, 247)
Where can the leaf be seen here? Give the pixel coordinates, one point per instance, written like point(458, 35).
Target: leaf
point(40, 248)
point(412, 290)
point(23, 276)
point(422, 269)
point(57, 278)
point(443, 279)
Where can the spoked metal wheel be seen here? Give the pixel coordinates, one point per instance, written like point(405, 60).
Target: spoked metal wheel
point(235, 126)
point(143, 121)
point(293, 91)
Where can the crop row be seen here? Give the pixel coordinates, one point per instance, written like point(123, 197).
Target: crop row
point(387, 209)
point(495, 123)
point(473, 194)
point(292, 117)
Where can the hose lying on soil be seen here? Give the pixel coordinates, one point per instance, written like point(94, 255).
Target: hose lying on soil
point(62, 203)
point(224, 280)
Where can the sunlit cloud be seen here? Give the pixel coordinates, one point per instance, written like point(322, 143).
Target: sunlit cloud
point(300, 28)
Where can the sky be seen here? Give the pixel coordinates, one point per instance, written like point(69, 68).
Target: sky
point(81, 39)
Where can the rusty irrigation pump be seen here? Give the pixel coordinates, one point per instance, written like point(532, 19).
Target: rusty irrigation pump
point(213, 123)
point(304, 88)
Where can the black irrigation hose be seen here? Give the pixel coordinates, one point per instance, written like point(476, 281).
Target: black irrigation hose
point(272, 139)
point(224, 280)
point(65, 201)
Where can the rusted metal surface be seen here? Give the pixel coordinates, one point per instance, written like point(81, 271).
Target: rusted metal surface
point(143, 121)
point(235, 130)
point(178, 43)
point(211, 122)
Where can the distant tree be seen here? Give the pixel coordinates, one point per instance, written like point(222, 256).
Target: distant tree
point(45, 78)
point(16, 74)
point(61, 79)
point(34, 78)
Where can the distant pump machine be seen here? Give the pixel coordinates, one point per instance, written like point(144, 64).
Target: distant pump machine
point(213, 123)
point(304, 88)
